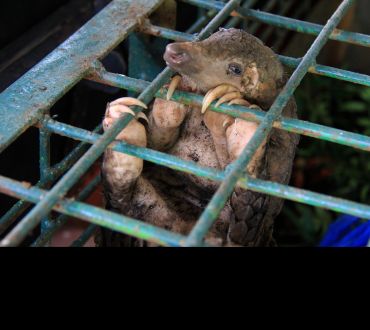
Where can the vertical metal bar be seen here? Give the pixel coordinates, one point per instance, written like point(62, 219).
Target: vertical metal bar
point(44, 166)
point(236, 170)
point(32, 219)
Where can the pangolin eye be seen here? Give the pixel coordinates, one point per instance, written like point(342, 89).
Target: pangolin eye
point(235, 69)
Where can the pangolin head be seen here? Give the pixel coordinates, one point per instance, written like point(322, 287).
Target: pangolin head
point(229, 56)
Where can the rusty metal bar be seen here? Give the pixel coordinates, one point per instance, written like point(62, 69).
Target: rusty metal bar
point(24, 102)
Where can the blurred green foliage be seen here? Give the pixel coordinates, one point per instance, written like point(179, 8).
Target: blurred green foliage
point(327, 167)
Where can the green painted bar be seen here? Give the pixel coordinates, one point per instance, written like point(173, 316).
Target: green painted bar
point(94, 215)
point(24, 102)
point(275, 189)
point(32, 219)
point(328, 71)
point(236, 171)
point(44, 150)
point(288, 23)
point(354, 140)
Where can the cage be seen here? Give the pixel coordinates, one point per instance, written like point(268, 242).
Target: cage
point(26, 105)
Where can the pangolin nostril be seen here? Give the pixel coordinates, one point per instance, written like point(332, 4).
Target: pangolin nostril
point(175, 55)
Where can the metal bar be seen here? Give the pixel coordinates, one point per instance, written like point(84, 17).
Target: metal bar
point(95, 215)
point(266, 8)
point(85, 236)
point(220, 198)
point(322, 132)
point(55, 172)
point(283, 9)
point(291, 62)
point(201, 22)
point(44, 165)
point(62, 219)
point(275, 189)
point(287, 23)
point(328, 71)
point(234, 21)
point(282, 33)
point(22, 104)
point(32, 219)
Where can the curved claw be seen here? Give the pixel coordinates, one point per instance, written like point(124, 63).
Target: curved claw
point(239, 102)
point(129, 101)
point(173, 85)
point(215, 94)
point(116, 110)
point(227, 97)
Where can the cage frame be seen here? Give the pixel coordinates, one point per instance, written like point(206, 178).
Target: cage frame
point(27, 103)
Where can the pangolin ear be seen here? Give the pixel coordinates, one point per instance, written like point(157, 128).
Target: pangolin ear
point(251, 77)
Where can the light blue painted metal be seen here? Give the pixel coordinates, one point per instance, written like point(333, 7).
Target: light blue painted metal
point(95, 215)
point(44, 166)
point(354, 140)
point(275, 189)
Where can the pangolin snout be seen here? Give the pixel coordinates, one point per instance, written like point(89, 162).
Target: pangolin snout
point(176, 55)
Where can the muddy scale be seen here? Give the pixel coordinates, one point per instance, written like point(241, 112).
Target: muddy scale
point(232, 67)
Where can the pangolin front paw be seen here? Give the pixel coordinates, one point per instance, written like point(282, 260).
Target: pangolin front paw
point(122, 170)
point(134, 132)
point(231, 135)
point(118, 108)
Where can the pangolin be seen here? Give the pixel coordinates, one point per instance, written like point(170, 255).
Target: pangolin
point(231, 66)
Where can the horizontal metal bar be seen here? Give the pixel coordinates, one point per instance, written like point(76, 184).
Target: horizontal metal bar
point(62, 219)
point(22, 104)
point(94, 215)
point(328, 71)
point(234, 21)
point(85, 236)
point(322, 70)
point(287, 23)
point(160, 158)
point(32, 219)
point(322, 132)
point(236, 171)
